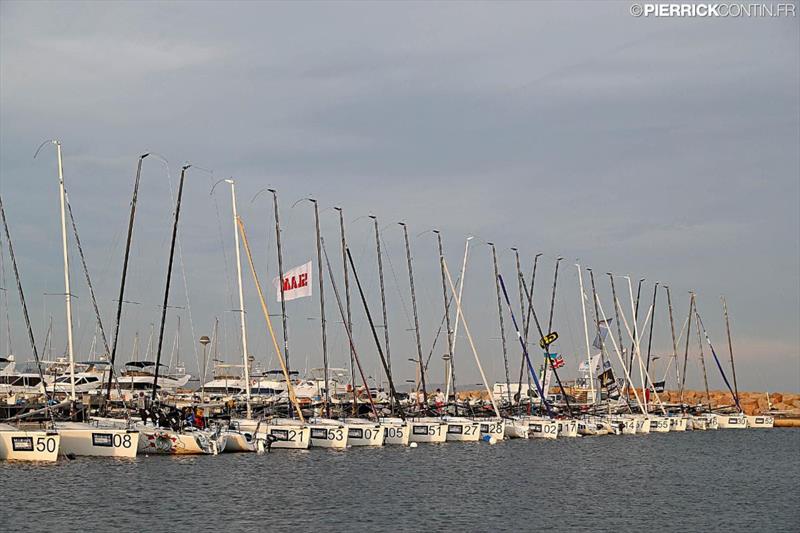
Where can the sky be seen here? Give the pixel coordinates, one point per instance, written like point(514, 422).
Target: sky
point(655, 148)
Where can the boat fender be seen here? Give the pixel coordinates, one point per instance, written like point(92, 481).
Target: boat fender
point(412, 445)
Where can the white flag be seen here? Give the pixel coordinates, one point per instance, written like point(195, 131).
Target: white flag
point(296, 283)
point(595, 365)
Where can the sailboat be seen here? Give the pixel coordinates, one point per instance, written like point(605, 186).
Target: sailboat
point(17, 444)
point(80, 438)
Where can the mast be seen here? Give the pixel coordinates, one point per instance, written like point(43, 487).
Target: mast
point(169, 279)
point(616, 311)
point(349, 318)
point(21, 293)
point(471, 343)
point(452, 379)
point(531, 370)
point(730, 346)
point(652, 323)
point(547, 346)
point(280, 273)
point(125, 260)
point(526, 318)
point(500, 317)
point(686, 350)
point(549, 328)
point(449, 359)
point(67, 293)
point(245, 354)
point(384, 360)
point(586, 331)
point(383, 293)
point(602, 341)
point(265, 311)
point(416, 316)
point(322, 311)
point(674, 340)
point(703, 360)
point(635, 336)
point(343, 315)
point(635, 321)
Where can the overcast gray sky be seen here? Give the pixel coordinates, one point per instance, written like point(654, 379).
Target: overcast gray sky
point(658, 148)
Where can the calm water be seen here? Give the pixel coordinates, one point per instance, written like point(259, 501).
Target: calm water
point(697, 481)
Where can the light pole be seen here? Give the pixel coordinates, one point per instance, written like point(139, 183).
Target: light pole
point(205, 341)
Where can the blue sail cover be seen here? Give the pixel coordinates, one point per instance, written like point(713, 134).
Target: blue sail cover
point(542, 395)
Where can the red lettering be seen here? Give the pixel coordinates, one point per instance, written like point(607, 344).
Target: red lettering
point(303, 280)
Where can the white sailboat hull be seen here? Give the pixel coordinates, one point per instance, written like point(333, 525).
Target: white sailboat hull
point(396, 433)
point(732, 421)
point(327, 435)
point(627, 424)
point(462, 430)
point(162, 441)
point(542, 428)
point(365, 434)
point(659, 424)
point(760, 422)
point(516, 429)
point(567, 428)
point(93, 441)
point(642, 425)
point(677, 423)
point(494, 428)
point(21, 445)
point(295, 437)
point(698, 423)
point(427, 431)
point(238, 442)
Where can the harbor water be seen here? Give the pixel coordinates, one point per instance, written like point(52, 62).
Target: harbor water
point(723, 480)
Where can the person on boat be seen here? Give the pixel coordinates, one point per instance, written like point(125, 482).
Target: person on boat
point(438, 399)
point(142, 404)
point(199, 421)
point(188, 416)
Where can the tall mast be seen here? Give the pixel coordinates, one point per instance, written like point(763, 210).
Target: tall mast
point(730, 346)
point(531, 370)
point(602, 341)
point(702, 360)
point(384, 360)
point(383, 294)
point(349, 319)
point(616, 312)
point(416, 316)
point(22, 301)
point(445, 301)
point(686, 350)
point(652, 323)
point(635, 321)
point(169, 279)
point(322, 310)
point(280, 274)
point(525, 318)
point(635, 336)
point(548, 360)
point(586, 331)
point(265, 311)
point(550, 327)
point(67, 293)
point(452, 380)
point(500, 317)
point(243, 322)
point(343, 315)
point(125, 260)
point(674, 340)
